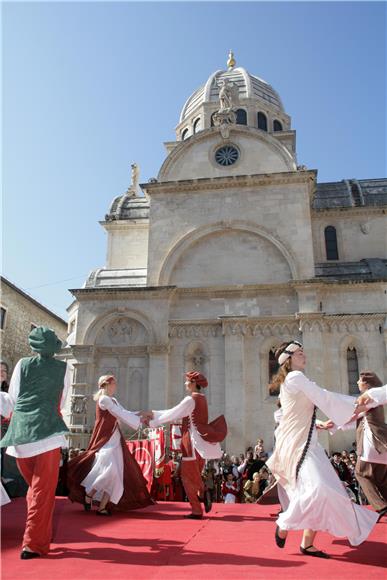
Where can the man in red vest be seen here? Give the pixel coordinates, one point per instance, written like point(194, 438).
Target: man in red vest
point(200, 440)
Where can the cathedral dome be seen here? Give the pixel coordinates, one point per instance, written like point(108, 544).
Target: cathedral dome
point(250, 87)
point(254, 102)
point(126, 207)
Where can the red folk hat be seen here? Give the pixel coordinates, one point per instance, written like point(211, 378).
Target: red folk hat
point(199, 379)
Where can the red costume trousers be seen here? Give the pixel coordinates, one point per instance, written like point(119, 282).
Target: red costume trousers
point(41, 474)
point(191, 475)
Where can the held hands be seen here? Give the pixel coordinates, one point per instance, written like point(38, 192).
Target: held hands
point(145, 417)
point(364, 399)
point(325, 425)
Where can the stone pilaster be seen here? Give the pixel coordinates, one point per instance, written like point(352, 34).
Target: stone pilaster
point(234, 385)
point(158, 376)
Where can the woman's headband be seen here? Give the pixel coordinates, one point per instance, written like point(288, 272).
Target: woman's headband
point(289, 350)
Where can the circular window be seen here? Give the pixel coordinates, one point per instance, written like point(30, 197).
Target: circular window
point(226, 155)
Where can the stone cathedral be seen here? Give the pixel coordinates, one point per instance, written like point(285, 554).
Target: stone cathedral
point(231, 250)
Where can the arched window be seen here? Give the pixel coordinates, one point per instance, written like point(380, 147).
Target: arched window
point(184, 134)
point(331, 243)
point(262, 121)
point(241, 117)
point(277, 126)
point(352, 370)
point(196, 126)
point(273, 367)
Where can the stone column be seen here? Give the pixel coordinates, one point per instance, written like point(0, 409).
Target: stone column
point(79, 405)
point(234, 385)
point(158, 376)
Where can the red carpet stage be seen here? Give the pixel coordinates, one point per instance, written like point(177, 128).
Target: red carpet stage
point(236, 541)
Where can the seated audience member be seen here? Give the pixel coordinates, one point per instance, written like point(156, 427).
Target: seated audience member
point(230, 489)
point(251, 488)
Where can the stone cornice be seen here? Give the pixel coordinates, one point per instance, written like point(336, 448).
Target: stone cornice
point(166, 292)
point(122, 224)
point(209, 184)
point(220, 291)
point(332, 285)
point(101, 293)
point(349, 211)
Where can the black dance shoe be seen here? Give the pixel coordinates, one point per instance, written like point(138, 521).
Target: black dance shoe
point(193, 516)
point(316, 554)
point(103, 512)
point(87, 504)
point(278, 540)
point(26, 555)
point(207, 503)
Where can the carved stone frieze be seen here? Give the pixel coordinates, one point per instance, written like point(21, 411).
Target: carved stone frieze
point(158, 349)
point(341, 322)
point(78, 405)
point(122, 331)
point(195, 330)
point(264, 328)
point(121, 350)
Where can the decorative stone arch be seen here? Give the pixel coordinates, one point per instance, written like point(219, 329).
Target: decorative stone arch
point(348, 342)
point(202, 135)
point(192, 237)
point(97, 325)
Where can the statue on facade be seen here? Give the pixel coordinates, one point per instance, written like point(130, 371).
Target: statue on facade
point(228, 95)
point(135, 176)
point(228, 99)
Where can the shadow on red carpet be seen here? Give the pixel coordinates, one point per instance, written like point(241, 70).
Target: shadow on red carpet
point(158, 543)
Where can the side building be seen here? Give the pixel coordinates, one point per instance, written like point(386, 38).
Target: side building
point(20, 313)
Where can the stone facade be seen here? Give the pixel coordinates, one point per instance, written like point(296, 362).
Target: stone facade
point(22, 312)
point(220, 263)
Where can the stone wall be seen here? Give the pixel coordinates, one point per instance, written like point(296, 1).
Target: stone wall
point(360, 233)
point(22, 312)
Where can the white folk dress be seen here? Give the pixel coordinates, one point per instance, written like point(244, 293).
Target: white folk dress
point(107, 472)
point(4, 498)
point(318, 500)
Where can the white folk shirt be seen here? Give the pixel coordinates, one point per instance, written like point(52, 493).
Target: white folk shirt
point(8, 402)
point(119, 412)
point(379, 396)
point(185, 409)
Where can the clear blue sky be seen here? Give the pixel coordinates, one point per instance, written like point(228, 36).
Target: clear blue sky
point(89, 88)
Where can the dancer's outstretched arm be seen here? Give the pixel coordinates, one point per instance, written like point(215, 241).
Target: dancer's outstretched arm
point(374, 397)
point(337, 407)
point(107, 404)
point(183, 409)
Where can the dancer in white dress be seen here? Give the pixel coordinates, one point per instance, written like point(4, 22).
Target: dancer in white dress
point(107, 472)
point(318, 500)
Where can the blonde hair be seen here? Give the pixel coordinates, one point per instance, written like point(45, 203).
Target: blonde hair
point(103, 382)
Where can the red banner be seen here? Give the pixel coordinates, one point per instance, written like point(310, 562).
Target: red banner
point(143, 452)
point(175, 437)
point(158, 439)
